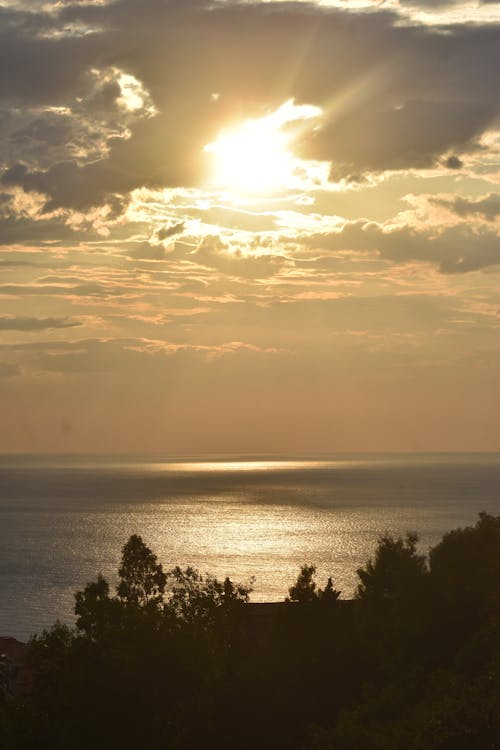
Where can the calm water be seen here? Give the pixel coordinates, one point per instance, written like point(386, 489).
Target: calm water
point(63, 520)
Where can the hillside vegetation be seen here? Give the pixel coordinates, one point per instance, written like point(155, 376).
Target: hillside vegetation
point(176, 659)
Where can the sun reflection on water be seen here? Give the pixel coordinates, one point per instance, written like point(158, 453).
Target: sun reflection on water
point(247, 466)
point(241, 517)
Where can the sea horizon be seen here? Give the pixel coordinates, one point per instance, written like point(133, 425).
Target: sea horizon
point(65, 518)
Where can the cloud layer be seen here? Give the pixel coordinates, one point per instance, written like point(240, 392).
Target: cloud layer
point(354, 307)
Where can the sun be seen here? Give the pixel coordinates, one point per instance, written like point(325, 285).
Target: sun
point(256, 157)
point(253, 158)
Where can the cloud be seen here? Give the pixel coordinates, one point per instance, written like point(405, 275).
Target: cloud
point(234, 261)
point(453, 162)
point(439, 4)
point(394, 96)
point(264, 307)
point(9, 370)
point(486, 207)
point(126, 356)
point(455, 249)
point(389, 137)
point(8, 323)
point(89, 289)
point(170, 230)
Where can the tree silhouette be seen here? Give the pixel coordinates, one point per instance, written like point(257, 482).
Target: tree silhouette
point(328, 595)
point(142, 580)
point(140, 593)
point(167, 665)
point(394, 572)
point(195, 598)
point(464, 579)
point(456, 560)
point(304, 589)
point(97, 613)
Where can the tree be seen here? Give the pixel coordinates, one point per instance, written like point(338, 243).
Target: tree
point(142, 580)
point(97, 613)
point(304, 589)
point(195, 598)
point(328, 595)
point(465, 565)
point(236, 593)
point(139, 591)
point(396, 572)
point(464, 579)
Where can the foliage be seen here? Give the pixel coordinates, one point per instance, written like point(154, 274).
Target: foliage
point(195, 598)
point(139, 595)
point(456, 560)
point(180, 660)
point(148, 597)
point(329, 595)
point(142, 580)
point(304, 589)
point(396, 571)
point(97, 613)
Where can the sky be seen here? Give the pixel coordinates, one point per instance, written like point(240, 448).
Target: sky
point(254, 227)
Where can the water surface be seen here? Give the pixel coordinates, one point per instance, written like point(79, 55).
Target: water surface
point(64, 519)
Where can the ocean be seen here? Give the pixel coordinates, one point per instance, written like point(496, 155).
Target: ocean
point(64, 519)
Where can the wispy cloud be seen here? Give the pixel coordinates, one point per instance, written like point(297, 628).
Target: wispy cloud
point(135, 286)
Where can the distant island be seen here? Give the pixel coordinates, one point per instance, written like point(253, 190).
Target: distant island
point(177, 659)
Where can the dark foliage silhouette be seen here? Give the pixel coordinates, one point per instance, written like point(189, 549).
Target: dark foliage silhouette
point(142, 580)
point(304, 589)
point(394, 573)
point(329, 594)
point(177, 659)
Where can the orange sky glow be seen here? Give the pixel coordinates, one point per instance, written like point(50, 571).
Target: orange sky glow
point(253, 227)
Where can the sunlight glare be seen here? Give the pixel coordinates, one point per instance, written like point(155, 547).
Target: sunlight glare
point(256, 157)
